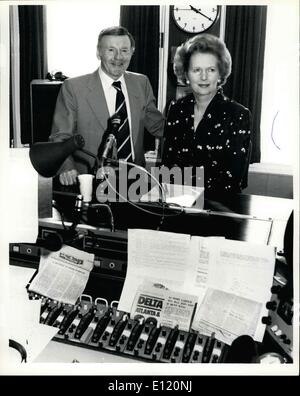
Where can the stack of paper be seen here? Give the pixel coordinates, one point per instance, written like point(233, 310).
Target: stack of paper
point(231, 279)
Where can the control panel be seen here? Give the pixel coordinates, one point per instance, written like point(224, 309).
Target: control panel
point(280, 319)
point(101, 326)
point(97, 323)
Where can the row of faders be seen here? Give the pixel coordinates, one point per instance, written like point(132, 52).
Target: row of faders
point(100, 326)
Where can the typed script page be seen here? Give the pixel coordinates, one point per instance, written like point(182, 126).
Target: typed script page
point(238, 282)
point(159, 257)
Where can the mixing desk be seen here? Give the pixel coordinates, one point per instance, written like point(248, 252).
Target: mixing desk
point(95, 322)
point(100, 326)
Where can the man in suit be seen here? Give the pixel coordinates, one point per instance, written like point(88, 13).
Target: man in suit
point(85, 104)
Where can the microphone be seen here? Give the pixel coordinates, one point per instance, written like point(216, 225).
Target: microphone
point(52, 242)
point(243, 350)
point(114, 124)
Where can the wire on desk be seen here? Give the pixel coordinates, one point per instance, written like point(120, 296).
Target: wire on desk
point(163, 202)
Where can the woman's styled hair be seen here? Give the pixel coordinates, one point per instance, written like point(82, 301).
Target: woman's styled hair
point(202, 43)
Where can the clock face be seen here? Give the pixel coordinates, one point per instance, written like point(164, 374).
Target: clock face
point(195, 19)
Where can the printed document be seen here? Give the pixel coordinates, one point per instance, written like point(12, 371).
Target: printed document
point(244, 272)
point(63, 275)
point(156, 256)
point(231, 279)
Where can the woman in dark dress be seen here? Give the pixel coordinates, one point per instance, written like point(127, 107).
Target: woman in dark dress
point(205, 128)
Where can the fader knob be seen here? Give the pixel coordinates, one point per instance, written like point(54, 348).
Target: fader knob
point(271, 305)
point(275, 289)
point(122, 340)
point(176, 352)
point(196, 354)
point(140, 343)
point(267, 320)
point(215, 359)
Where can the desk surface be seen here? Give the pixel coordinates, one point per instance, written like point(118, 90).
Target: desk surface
point(253, 205)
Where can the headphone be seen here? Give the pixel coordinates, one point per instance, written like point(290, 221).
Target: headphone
point(14, 344)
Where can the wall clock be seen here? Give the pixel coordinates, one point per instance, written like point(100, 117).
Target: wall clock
point(195, 19)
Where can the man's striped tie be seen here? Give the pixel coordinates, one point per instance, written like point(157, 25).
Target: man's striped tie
point(123, 134)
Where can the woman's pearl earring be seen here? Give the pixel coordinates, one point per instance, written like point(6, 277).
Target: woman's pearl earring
point(188, 82)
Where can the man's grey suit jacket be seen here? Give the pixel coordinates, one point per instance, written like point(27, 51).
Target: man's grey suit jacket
point(81, 109)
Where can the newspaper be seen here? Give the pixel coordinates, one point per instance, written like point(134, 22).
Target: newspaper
point(63, 275)
point(169, 308)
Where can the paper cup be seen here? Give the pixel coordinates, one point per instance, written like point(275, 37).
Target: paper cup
point(86, 186)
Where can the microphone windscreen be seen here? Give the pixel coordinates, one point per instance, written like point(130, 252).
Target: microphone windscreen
point(115, 123)
point(116, 120)
point(52, 242)
point(242, 350)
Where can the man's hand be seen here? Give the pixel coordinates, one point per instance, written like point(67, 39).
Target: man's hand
point(68, 178)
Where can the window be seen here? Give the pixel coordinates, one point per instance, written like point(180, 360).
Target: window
point(72, 32)
point(280, 87)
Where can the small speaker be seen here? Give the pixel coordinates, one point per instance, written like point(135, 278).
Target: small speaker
point(43, 95)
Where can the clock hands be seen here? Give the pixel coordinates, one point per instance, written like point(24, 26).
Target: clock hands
point(199, 12)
